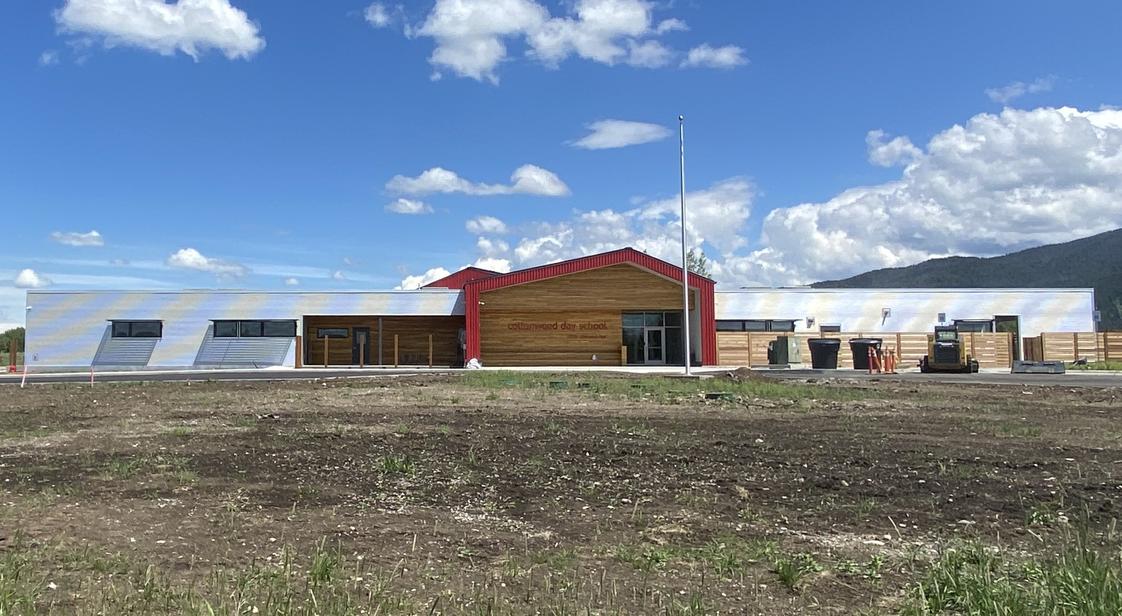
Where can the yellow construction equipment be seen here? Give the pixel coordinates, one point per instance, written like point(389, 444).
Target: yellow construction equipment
point(946, 352)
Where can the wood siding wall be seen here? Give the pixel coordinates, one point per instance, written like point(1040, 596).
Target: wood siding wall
point(413, 340)
point(566, 321)
point(750, 348)
point(1068, 346)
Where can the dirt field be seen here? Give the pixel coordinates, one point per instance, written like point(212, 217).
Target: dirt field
point(518, 494)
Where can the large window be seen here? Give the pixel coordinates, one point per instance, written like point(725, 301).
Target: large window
point(255, 329)
point(660, 330)
point(138, 329)
point(756, 325)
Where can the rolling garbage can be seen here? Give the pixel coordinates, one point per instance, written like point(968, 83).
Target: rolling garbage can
point(860, 349)
point(824, 353)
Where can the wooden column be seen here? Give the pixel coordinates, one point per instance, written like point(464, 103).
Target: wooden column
point(430, 350)
point(973, 348)
point(623, 355)
point(325, 339)
point(299, 351)
point(362, 352)
point(1075, 344)
point(1106, 346)
point(395, 350)
point(1043, 347)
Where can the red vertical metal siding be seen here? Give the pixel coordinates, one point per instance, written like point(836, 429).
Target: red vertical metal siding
point(708, 324)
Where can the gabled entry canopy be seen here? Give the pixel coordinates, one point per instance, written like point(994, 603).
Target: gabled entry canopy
point(703, 287)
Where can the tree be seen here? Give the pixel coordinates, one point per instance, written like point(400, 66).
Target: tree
point(697, 262)
point(6, 338)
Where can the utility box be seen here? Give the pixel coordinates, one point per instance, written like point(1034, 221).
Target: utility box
point(787, 351)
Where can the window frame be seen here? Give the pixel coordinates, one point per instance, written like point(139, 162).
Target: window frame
point(274, 322)
point(263, 325)
point(320, 333)
point(130, 327)
point(225, 322)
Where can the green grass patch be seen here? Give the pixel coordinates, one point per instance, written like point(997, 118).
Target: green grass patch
point(1081, 580)
point(661, 388)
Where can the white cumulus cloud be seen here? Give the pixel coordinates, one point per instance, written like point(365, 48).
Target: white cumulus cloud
point(1009, 93)
point(606, 134)
point(291, 282)
point(189, 258)
point(527, 180)
point(889, 153)
point(30, 279)
point(493, 263)
point(486, 225)
point(377, 15)
point(471, 36)
point(74, 238)
point(994, 184)
point(408, 206)
point(410, 283)
point(189, 26)
point(728, 56)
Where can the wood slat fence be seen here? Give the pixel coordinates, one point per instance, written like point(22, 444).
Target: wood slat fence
point(1069, 346)
point(750, 348)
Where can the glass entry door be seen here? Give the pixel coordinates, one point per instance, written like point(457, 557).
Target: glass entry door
point(656, 345)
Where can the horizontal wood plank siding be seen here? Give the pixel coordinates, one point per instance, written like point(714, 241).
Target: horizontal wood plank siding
point(569, 320)
point(413, 339)
point(750, 348)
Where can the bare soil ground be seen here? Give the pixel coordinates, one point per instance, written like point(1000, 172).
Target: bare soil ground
point(518, 494)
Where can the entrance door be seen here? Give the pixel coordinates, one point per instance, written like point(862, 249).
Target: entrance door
point(360, 346)
point(656, 345)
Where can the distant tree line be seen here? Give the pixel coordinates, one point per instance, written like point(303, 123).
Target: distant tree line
point(6, 341)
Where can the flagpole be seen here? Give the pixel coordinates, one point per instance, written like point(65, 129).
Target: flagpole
point(685, 263)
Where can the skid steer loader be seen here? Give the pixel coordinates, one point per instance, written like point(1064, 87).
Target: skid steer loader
point(947, 353)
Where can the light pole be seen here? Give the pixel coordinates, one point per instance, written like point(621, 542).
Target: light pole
point(685, 263)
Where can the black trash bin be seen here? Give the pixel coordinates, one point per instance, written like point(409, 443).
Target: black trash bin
point(824, 353)
point(860, 349)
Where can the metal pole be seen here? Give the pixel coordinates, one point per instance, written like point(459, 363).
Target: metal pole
point(685, 263)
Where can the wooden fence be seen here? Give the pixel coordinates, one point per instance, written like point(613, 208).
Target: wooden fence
point(750, 348)
point(1070, 346)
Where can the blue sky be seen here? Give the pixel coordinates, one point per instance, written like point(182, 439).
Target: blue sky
point(255, 143)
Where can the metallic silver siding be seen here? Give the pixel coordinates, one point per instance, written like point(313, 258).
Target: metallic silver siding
point(912, 310)
point(66, 329)
point(242, 352)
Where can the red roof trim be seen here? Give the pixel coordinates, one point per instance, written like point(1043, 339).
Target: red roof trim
point(584, 264)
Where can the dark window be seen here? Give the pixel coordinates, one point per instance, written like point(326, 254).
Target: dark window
point(138, 329)
point(673, 319)
point(121, 329)
point(966, 325)
point(633, 319)
point(754, 325)
point(830, 329)
point(333, 332)
point(654, 319)
point(280, 329)
point(250, 329)
point(225, 329)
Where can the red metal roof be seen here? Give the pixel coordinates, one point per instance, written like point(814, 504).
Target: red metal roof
point(458, 279)
point(705, 286)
